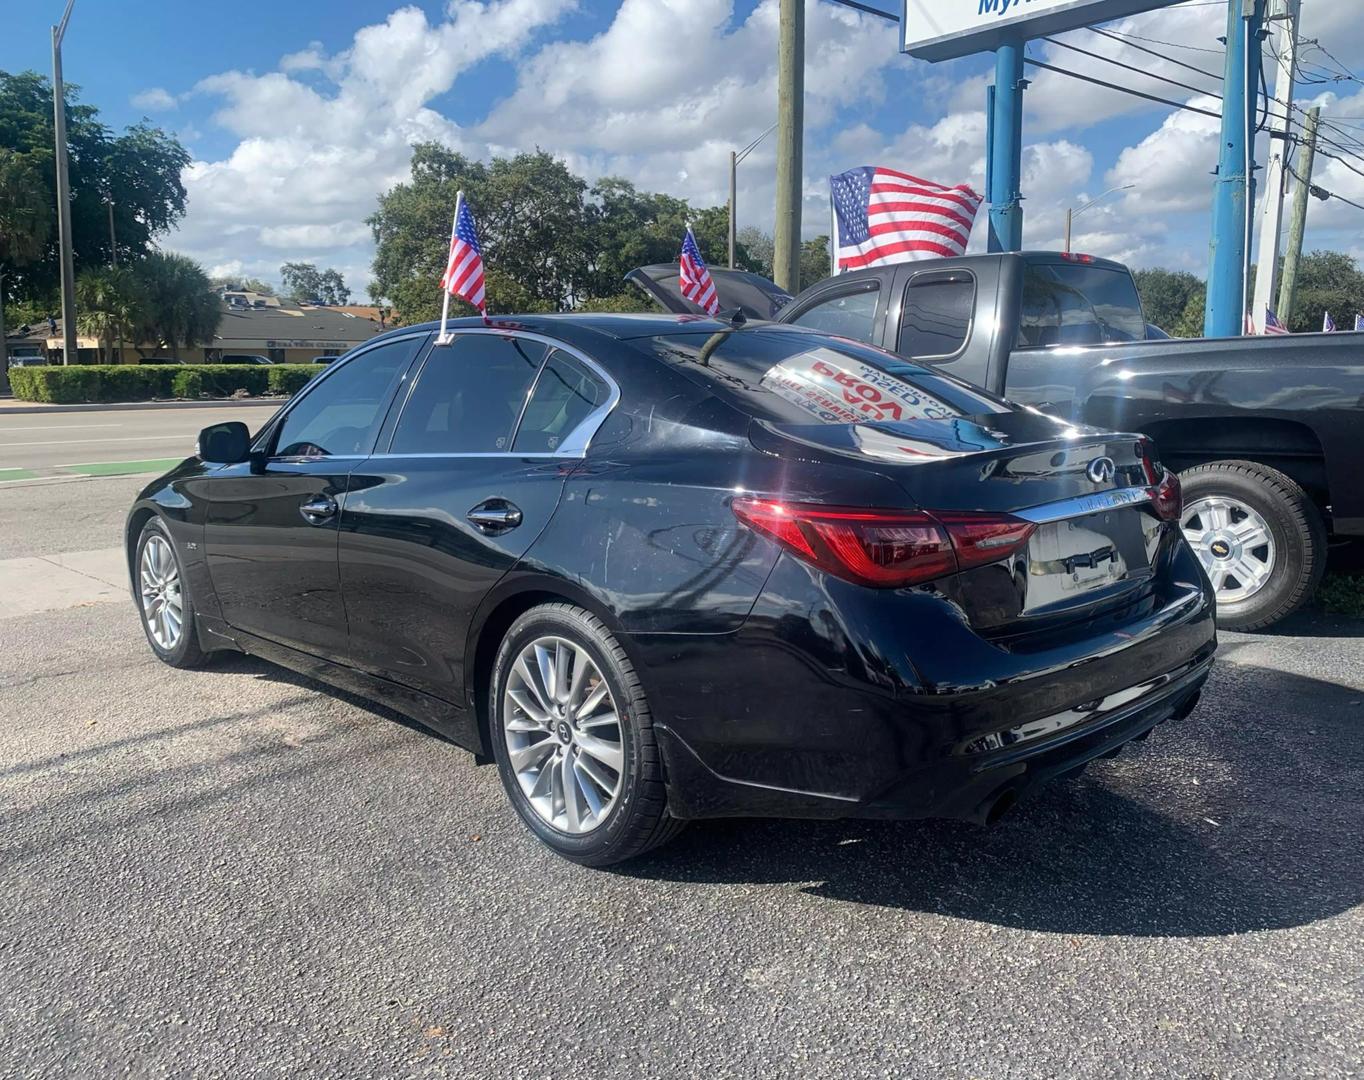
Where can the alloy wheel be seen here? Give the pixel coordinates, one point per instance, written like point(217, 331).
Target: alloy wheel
point(162, 601)
point(1234, 544)
point(563, 735)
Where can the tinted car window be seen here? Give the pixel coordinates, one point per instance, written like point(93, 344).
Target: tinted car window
point(341, 413)
point(851, 315)
point(468, 396)
point(564, 396)
point(796, 378)
point(1075, 304)
point(937, 314)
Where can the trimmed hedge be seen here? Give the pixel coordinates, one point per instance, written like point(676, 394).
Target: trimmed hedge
point(145, 382)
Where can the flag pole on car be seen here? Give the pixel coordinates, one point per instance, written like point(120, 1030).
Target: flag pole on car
point(463, 275)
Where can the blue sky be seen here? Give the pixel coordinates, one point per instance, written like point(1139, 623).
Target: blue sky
point(299, 114)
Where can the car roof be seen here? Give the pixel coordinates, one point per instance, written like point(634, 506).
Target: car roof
point(572, 325)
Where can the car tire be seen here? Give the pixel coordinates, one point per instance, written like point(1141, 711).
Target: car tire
point(159, 582)
point(566, 748)
point(1225, 496)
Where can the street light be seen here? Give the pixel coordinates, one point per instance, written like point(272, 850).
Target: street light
point(63, 191)
point(736, 156)
point(1072, 214)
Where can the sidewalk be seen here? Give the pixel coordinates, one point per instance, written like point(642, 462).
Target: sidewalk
point(39, 583)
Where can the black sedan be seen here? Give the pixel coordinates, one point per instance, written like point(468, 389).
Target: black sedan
point(662, 568)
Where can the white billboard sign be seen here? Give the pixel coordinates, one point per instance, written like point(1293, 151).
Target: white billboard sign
point(943, 29)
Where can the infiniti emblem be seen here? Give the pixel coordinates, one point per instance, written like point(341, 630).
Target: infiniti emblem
point(1101, 470)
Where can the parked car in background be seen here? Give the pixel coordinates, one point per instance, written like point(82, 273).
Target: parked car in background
point(322, 359)
point(662, 568)
point(1262, 429)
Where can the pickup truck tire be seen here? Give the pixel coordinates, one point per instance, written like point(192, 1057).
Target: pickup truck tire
point(1241, 515)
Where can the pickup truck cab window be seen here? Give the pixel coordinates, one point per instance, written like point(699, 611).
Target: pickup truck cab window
point(935, 320)
point(1078, 304)
point(848, 313)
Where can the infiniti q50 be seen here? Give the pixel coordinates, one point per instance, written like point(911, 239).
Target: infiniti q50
point(659, 568)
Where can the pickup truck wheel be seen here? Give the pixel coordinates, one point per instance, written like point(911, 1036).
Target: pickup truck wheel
point(1258, 536)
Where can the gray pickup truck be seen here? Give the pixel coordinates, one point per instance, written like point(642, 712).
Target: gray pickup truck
point(1267, 432)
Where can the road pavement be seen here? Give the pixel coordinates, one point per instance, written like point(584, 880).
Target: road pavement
point(52, 443)
point(236, 872)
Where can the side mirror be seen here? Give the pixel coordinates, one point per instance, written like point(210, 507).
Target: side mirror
point(225, 444)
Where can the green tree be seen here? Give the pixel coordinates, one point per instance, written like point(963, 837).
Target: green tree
point(1166, 295)
point(1327, 281)
point(549, 242)
point(138, 171)
point(111, 304)
point(760, 248)
point(303, 281)
point(180, 309)
point(814, 261)
point(25, 222)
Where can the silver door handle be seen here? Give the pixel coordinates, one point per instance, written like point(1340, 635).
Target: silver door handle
point(319, 510)
point(495, 515)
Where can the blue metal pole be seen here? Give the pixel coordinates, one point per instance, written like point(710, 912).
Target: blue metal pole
point(1224, 313)
point(1005, 166)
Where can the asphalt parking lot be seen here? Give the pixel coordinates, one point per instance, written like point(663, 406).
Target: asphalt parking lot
point(235, 872)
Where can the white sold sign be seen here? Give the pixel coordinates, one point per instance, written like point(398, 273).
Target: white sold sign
point(943, 29)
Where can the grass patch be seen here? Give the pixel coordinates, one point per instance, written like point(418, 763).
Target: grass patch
point(1342, 594)
point(122, 468)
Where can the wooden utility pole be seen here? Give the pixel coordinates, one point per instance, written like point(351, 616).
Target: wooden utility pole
point(63, 193)
point(733, 213)
point(790, 137)
point(1289, 286)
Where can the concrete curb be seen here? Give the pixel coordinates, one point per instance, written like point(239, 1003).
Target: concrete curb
point(39, 409)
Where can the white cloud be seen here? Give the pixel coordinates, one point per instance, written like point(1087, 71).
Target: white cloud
point(669, 87)
point(154, 99)
point(313, 156)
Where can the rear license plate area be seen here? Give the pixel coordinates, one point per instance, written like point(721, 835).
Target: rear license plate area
point(1069, 560)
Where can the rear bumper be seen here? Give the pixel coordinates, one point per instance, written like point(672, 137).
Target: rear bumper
point(841, 703)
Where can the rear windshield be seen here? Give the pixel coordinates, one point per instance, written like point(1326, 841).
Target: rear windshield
point(1076, 304)
point(789, 376)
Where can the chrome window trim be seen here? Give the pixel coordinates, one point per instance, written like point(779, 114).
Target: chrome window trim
point(1079, 505)
point(575, 443)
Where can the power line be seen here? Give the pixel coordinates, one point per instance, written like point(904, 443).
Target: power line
point(1133, 67)
point(1156, 41)
point(1321, 193)
point(1121, 89)
point(1121, 40)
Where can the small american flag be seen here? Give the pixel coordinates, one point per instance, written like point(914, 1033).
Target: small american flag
point(886, 216)
point(695, 278)
point(464, 269)
point(1272, 324)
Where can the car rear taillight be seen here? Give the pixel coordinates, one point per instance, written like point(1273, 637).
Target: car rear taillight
point(1167, 497)
point(885, 548)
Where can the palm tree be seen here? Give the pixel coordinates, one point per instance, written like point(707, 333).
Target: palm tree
point(25, 223)
point(181, 309)
point(112, 303)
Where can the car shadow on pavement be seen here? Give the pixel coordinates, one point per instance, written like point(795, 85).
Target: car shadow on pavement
point(1247, 816)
